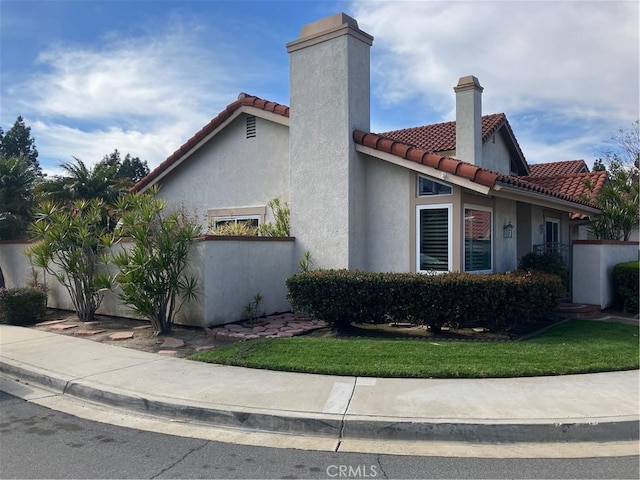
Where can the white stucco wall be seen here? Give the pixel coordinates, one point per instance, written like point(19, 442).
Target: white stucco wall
point(505, 249)
point(230, 273)
point(235, 270)
point(593, 261)
point(388, 216)
point(17, 270)
point(495, 154)
point(15, 265)
point(232, 171)
point(329, 99)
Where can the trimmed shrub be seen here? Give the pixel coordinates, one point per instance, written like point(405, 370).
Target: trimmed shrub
point(22, 306)
point(548, 262)
point(626, 284)
point(496, 301)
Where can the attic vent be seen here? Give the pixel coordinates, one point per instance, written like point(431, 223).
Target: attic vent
point(251, 126)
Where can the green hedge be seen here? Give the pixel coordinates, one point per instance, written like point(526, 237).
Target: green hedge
point(22, 306)
point(548, 262)
point(496, 301)
point(626, 284)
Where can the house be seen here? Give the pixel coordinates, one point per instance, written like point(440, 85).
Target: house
point(453, 196)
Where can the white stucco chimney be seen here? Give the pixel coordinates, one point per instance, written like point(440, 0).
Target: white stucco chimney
point(329, 99)
point(469, 120)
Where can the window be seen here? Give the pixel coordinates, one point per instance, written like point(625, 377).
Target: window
point(552, 230)
point(428, 187)
point(250, 216)
point(552, 234)
point(248, 220)
point(433, 242)
point(478, 239)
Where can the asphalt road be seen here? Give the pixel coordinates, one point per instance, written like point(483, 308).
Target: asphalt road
point(36, 442)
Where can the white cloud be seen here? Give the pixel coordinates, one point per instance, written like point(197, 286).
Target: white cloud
point(578, 58)
point(143, 95)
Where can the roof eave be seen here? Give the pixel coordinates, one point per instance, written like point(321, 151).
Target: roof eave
point(544, 200)
point(243, 109)
point(424, 169)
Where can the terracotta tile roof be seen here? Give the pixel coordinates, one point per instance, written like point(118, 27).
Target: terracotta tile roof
point(482, 176)
point(243, 100)
point(441, 137)
point(553, 169)
point(578, 185)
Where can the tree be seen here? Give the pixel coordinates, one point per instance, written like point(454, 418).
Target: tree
point(153, 272)
point(130, 168)
point(17, 178)
point(17, 143)
point(619, 198)
point(81, 182)
point(72, 246)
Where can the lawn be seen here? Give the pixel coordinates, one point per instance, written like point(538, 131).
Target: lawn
point(577, 346)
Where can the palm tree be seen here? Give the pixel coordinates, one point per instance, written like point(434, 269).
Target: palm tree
point(16, 198)
point(83, 183)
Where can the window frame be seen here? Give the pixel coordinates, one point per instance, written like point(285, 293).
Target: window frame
point(216, 215)
point(553, 221)
point(435, 206)
point(233, 219)
point(431, 195)
point(481, 208)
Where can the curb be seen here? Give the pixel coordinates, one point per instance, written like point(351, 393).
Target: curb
point(341, 427)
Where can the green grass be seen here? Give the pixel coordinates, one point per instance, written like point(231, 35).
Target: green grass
point(576, 346)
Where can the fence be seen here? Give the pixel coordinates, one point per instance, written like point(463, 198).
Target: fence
point(231, 270)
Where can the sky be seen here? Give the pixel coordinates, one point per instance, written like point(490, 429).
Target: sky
point(142, 77)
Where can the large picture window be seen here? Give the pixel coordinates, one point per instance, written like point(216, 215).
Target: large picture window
point(433, 242)
point(478, 239)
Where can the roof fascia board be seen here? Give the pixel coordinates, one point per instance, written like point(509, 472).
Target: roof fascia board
point(193, 150)
point(510, 138)
point(546, 201)
point(258, 112)
point(424, 169)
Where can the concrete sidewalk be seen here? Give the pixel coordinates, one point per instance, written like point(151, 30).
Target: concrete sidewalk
point(601, 407)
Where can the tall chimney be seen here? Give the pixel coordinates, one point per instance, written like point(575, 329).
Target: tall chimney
point(469, 120)
point(329, 99)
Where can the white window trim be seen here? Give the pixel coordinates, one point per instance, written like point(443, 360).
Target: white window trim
point(464, 236)
point(215, 215)
point(418, 177)
point(449, 207)
point(235, 219)
point(557, 222)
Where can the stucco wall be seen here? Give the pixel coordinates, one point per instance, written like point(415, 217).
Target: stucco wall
point(230, 270)
point(495, 154)
point(15, 265)
point(593, 261)
point(234, 270)
point(17, 270)
point(329, 98)
point(524, 229)
point(388, 216)
point(505, 249)
point(232, 171)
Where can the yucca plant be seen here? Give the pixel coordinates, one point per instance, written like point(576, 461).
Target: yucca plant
point(72, 247)
point(153, 273)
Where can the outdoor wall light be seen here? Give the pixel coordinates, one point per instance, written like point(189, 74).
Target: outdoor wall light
point(508, 230)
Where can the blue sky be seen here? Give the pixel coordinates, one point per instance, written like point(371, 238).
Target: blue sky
point(144, 76)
